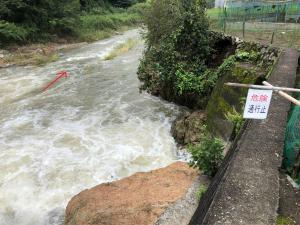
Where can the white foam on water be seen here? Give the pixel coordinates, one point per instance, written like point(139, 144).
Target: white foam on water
point(91, 128)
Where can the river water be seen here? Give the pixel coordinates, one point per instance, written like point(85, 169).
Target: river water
point(90, 128)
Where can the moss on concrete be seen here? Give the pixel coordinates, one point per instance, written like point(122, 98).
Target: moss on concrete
point(224, 98)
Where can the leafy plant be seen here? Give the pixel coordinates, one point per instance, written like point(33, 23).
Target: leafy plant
point(207, 155)
point(190, 82)
point(12, 32)
point(247, 56)
point(226, 66)
point(200, 192)
point(282, 220)
point(236, 119)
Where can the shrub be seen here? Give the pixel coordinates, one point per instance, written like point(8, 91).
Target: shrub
point(124, 3)
point(190, 82)
point(200, 192)
point(139, 8)
point(207, 155)
point(158, 21)
point(178, 48)
point(247, 56)
point(11, 32)
point(236, 119)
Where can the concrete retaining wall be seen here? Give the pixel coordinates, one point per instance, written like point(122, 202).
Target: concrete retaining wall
point(246, 189)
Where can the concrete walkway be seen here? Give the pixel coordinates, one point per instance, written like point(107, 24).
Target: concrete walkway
point(249, 191)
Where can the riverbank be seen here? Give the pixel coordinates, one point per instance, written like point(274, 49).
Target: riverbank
point(34, 54)
point(91, 25)
point(42, 53)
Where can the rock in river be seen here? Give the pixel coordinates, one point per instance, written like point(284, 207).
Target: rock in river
point(188, 127)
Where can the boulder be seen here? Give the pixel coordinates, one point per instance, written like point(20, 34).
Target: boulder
point(188, 127)
point(138, 200)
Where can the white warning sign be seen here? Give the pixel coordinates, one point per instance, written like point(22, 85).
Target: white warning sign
point(258, 103)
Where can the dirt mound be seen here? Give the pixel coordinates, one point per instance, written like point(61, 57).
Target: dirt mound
point(137, 200)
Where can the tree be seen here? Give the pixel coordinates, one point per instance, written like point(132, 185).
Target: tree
point(52, 16)
point(178, 48)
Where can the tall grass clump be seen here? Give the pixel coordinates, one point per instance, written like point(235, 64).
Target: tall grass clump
point(99, 23)
point(122, 48)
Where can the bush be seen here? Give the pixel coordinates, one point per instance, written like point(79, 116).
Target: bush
point(11, 32)
point(190, 82)
point(23, 20)
point(178, 48)
point(237, 121)
point(124, 3)
point(208, 155)
point(139, 8)
point(158, 21)
point(200, 192)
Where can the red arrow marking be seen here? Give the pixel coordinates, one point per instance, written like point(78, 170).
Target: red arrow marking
point(58, 77)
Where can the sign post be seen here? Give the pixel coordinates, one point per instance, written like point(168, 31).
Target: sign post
point(257, 104)
point(259, 98)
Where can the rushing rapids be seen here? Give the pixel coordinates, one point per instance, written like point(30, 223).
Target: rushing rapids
point(90, 128)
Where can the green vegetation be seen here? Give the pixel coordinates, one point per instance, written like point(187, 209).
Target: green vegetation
point(213, 13)
point(42, 60)
point(208, 155)
point(122, 48)
point(37, 59)
point(186, 63)
point(281, 220)
point(94, 26)
point(249, 64)
point(177, 51)
point(236, 119)
point(200, 192)
point(24, 22)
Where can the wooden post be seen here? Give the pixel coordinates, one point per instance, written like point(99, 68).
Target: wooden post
point(266, 87)
point(244, 28)
point(272, 39)
point(244, 21)
point(224, 23)
point(283, 94)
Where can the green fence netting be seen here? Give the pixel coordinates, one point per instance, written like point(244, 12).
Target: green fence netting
point(292, 144)
point(261, 11)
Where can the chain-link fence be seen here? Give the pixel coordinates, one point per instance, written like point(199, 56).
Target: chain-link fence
point(276, 23)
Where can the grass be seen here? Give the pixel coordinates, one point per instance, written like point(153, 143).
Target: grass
point(285, 36)
point(37, 59)
point(96, 26)
point(100, 23)
point(200, 192)
point(281, 220)
point(43, 59)
point(213, 13)
point(122, 48)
